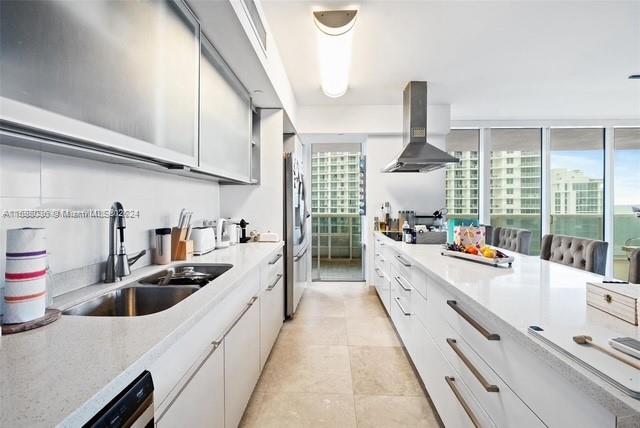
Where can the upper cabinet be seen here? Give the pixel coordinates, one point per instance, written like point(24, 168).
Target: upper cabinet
point(225, 119)
point(117, 74)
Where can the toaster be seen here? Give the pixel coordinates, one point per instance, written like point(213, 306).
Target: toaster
point(204, 240)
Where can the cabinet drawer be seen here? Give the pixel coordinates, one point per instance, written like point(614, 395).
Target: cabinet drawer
point(495, 397)
point(519, 368)
point(411, 274)
point(271, 269)
point(452, 398)
point(271, 317)
point(381, 283)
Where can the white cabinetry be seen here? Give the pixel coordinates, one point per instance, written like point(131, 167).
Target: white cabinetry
point(241, 363)
point(271, 305)
point(200, 400)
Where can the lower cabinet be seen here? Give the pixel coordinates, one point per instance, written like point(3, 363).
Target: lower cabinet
point(271, 316)
point(241, 363)
point(200, 400)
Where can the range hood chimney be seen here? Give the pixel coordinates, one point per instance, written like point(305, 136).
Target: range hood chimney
point(417, 154)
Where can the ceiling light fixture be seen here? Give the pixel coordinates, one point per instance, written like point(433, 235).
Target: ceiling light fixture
point(335, 38)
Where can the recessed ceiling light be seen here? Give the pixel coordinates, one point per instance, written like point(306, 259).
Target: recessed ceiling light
point(335, 38)
point(634, 76)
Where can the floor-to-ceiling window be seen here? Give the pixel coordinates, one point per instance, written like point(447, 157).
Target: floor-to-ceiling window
point(577, 182)
point(626, 176)
point(462, 191)
point(516, 181)
point(337, 192)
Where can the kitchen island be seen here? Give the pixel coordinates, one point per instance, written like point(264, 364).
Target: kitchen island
point(454, 314)
point(64, 373)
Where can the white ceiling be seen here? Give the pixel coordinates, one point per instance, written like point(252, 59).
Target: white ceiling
point(488, 59)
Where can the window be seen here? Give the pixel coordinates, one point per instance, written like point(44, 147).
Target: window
point(517, 211)
point(577, 167)
point(626, 176)
point(462, 178)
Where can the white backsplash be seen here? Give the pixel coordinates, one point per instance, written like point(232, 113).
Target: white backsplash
point(32, 179)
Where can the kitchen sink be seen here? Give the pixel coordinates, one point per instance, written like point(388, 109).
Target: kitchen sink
point(132, 301)
point(197, 275)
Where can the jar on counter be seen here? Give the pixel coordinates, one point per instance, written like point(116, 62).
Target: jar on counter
point(162, 251)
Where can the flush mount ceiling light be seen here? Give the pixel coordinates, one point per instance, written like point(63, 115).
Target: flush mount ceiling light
point(335, 38)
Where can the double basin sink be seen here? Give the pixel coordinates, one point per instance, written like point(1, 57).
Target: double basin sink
point(151, 294)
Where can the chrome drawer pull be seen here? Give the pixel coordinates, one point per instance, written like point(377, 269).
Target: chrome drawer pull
point(400, 281)
point(465, 406)
point(403, 261)
point(276, 258)
point(272, 286)
point(486, 385)
point(404, 312)
point(379, 272)
point(483, 331)
point(297, 258)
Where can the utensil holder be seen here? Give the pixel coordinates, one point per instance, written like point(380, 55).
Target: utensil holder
point(184, 250)
point(177, 235)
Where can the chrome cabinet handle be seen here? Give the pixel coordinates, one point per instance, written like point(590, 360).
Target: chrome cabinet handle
point(275, 259)
point(297, 258)
point(403, 261)
point(237, 319)
point(483, 331)
point(451, 382)
point(404, 312)
point(400, 281)
point(214, 347)
point(486, 385)
point(379, 272)
point(272, 286)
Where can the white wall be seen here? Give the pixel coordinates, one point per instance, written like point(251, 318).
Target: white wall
point(261, 205)
point(422, 192)
point(32, 179)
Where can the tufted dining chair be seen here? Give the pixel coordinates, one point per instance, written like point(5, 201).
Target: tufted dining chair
point(634, 267)
point(581, 253)
point(518, 240)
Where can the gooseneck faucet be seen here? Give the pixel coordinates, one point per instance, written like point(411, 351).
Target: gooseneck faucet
point(118, 263)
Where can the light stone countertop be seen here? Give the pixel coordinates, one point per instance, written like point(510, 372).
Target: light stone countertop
point(533, 292)
point(62, 374)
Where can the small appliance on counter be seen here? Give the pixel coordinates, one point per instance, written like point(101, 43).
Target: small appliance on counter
point(204, 240)
point(222, 233)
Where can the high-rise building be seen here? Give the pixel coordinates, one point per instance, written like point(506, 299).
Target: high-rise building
point(572, 192)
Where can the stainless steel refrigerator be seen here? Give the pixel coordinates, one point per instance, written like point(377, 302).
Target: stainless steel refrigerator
point(297, 225)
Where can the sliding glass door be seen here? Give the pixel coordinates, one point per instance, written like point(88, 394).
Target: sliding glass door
point(577, 182)
point(626, 210)
point(337, 195)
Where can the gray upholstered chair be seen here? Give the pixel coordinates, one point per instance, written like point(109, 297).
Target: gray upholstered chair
point(518, 240)
point(634, 267)
point(581, 253)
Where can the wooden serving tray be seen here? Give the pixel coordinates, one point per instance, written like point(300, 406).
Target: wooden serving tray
point(498, 261)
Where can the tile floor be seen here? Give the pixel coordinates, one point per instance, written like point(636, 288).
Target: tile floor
point(339, 363)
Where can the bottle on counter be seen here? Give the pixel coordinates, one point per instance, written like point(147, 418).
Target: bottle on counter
point(407, 235)
point(162, 250)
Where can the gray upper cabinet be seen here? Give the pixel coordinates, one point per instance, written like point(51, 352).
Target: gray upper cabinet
point(225, 119)
point(118, 74)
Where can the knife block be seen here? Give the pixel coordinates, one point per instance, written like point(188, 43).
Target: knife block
point(181, 248)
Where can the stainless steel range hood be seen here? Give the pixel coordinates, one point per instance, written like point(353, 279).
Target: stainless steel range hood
point(417, 155)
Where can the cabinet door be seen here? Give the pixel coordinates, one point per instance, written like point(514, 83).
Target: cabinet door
point(200, 400)
point(241, 363)
point(225, 119)
point(117, 74)
point(271, 316)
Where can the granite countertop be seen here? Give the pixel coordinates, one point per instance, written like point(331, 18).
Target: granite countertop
point(65, 372)
point(533, 292)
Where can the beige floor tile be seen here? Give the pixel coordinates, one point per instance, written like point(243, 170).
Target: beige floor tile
point(314, 304)
point(357, 289)
point(364, 307)
point(376, 331)
point(314, 368)
point(394, 412)
point(382, 371)
point(306, 331)
point(305, 410)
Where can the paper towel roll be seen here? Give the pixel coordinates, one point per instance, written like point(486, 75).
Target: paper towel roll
point(26, 242)
point(25, 275)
